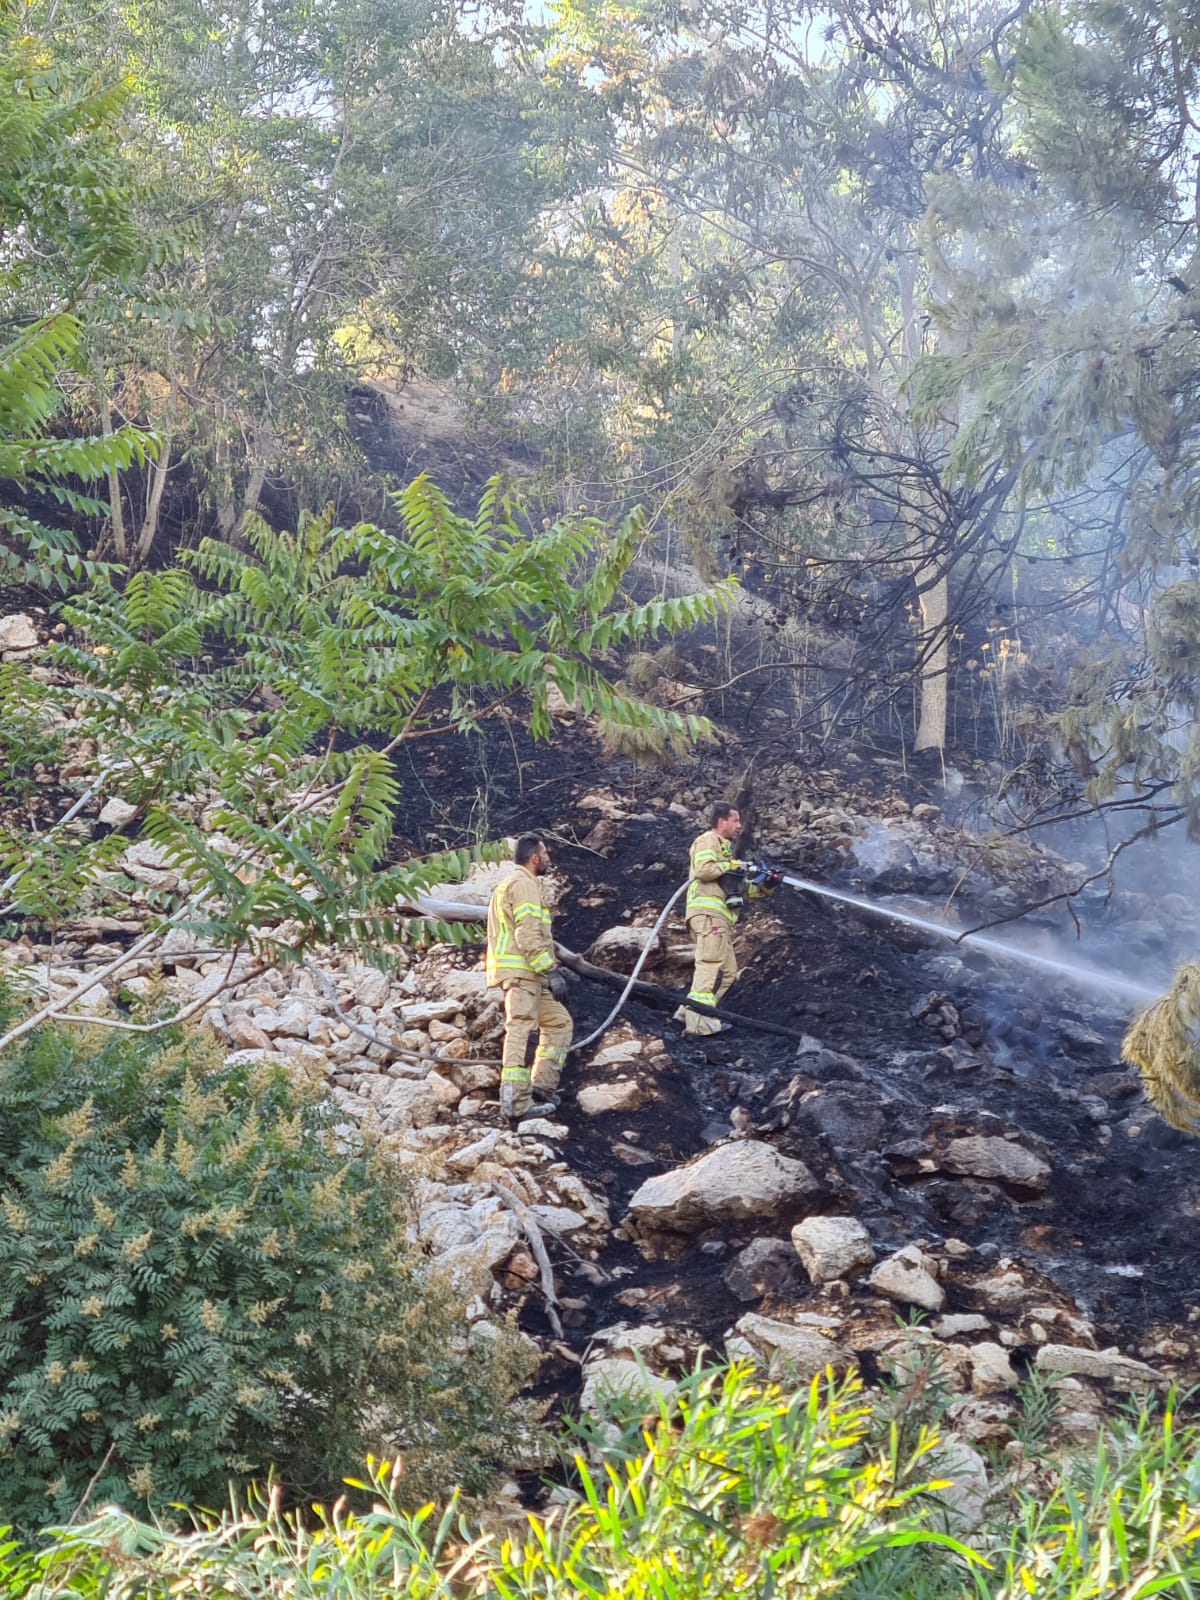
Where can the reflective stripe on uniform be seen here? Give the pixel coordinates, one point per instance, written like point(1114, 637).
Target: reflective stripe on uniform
point(706, 899)
point(704, 997)
point(505, 959)
point(514, 1075)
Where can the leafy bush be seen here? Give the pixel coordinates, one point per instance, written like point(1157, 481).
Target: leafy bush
point(265, 691)
point(735, 1489)
point(197, 1280)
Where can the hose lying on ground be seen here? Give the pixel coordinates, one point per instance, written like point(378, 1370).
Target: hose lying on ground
point(633, 976)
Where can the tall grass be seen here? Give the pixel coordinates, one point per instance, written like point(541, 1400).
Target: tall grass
point(733, 1489)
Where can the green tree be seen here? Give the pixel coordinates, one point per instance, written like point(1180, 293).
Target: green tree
point(762, 208)
point(347, 190)
point(1075, 320)
point(251, 716)
point(68, 234)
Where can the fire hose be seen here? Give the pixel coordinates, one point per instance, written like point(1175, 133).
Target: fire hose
point(758, 875)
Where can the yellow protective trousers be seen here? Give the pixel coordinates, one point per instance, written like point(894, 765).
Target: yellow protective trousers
point(715, 970)
point(528, 1004)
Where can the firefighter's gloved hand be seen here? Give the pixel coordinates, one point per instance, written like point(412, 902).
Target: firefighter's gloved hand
point(733, 880)
point(557, 983)
point(763, 880)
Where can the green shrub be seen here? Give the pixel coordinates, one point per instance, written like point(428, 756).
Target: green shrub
point(738, 1490)
point(734, 1490)
point(198, 1280)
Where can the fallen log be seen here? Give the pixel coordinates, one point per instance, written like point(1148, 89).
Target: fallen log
point(427, 905)
point(653, 994)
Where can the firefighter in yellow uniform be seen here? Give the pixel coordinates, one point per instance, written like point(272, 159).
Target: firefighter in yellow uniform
point(710, 917)
point(521, 961)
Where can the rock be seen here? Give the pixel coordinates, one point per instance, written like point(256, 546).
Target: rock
point(543, 1128)
point(646, 1341)
point(606, 838)
point(115, 813)
point(443, 1032)
point(1123, 1372)
point(982, 1157)
point(765, 1266)
point(244, 1034)
point(469, 1241)
point(960, 1322)
point(622, 1094)
point(1078, 1327)
point(618, 948)
point(612, 1380)
point(421, 1014)
point(830, 1066)
point(473, 1076)
point(147, 864)
point(602, 801)
point(476, 888)
point(991, 1370)
point(907, 1277)
point(17, 634)
point(457, 1050)
point(402, 1103)
point(373, 989)
point(1114, 1085)
point(464, 985)
point(558, 1219)
point(799, 1352)
point(1079, 1035)
point(832, 1247)
point(632, 1156)
point(963, 1499)
point(982, 1419)
point(742, 1182)
point(468, 1157)
point(294, 1020)
point(570, 1189)
point(445, 1091)
point(1003, 1291)
point(619, 1054)
point(846, 1118)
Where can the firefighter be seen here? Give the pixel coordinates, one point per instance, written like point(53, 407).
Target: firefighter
point(521, 960)
point(710, 916)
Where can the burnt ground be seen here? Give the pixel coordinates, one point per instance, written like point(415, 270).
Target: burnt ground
point(871, 1097)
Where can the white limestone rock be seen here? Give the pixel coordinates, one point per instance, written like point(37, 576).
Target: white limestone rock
point(610, 1380)
point(735, 1183)
point(17, 634)
point(800, 1352)
point(1123, 1372)
point(908, 1277)
point(619, 1094)
point(1004, 1160)
point(991, 1370)
point(832, 1247)
point(115, 813)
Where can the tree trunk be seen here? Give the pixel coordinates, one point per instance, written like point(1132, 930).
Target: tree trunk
point(158, 477)
point(158, 483)
point(115, 505)
point(934, 647)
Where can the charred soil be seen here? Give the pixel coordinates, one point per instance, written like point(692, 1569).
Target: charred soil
point(911, 1045)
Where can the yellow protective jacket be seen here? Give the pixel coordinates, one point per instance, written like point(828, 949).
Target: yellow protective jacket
point(519, 942)
point(711, 857)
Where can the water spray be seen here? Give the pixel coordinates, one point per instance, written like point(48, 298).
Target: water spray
point(1077, 972)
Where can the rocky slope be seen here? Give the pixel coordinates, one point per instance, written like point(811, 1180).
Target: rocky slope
point(944, 1138)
